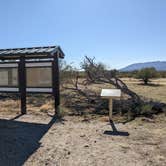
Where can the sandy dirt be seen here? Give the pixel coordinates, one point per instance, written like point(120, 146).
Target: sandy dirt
point(39, 140)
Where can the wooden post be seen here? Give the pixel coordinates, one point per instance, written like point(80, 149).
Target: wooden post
point(110, 109)
point(22, 84)
point(110, 94)
point(55, 82)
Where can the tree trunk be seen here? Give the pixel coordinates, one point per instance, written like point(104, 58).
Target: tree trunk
point(146, 81)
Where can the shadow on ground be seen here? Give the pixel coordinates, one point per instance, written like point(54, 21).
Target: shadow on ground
point(115, 132)
point(18, 140)
point(150, 85)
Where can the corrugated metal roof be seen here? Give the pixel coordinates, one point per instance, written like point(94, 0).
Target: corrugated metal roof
point(30, 51)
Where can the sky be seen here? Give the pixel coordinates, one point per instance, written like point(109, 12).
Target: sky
point(115, 32)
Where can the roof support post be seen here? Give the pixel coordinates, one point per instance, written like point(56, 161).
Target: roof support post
point(55, 82)
point(22, 84)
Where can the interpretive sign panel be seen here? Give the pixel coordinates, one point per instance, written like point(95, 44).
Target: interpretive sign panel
point(31, 70)
point(111, 93)
point(38, 77)
point(9, 75)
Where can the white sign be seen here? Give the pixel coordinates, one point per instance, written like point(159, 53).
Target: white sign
point(111, 93)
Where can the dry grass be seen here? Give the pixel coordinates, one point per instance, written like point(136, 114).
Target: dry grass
point(156, 91)
point(44, 104)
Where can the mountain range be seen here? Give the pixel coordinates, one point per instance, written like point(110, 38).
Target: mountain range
point(158, 65)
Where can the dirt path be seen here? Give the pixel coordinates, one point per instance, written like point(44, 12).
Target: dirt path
point(74, 142)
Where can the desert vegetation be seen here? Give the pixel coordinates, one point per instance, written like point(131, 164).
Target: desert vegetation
point(146, 74)
point(82, 135)
point(85, 87)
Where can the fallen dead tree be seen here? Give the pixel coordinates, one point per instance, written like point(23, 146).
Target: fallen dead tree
point(96, 73)
point(82, 97)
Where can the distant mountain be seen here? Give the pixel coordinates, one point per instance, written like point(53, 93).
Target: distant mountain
point(158, 65)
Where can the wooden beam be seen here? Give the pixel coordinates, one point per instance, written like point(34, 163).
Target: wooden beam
point(22, 84)
point(28, 58)
point(55, 82)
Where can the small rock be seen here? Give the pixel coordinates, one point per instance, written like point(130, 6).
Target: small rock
point(86, 146)
point(69, 153)
point(148, 120)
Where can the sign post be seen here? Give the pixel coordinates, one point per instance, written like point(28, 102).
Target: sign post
point(110, 94)
point(22, 84)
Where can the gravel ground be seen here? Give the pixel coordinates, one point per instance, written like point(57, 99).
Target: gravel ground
point(37, 140)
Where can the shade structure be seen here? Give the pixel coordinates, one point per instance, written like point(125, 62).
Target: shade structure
point(31, 52)
point(30, 70)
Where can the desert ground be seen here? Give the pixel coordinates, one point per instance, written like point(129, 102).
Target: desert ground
point(39, 139)
point(156, 91)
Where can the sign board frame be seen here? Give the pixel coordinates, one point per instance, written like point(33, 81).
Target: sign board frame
point(29, 89)
point(24, 58)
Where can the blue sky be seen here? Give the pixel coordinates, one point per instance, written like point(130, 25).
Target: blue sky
point(116, 32)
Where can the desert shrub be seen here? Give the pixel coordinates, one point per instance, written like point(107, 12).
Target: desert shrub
point(146, 74)
point(67, 72)
point(129, 74)
point(162, 74)
point(146, 108)
point(45, 108)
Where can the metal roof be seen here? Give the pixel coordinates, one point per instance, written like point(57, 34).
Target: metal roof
point(17, 52)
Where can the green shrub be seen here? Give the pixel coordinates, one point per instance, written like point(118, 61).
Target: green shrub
point(146, 74)
point(146, 108)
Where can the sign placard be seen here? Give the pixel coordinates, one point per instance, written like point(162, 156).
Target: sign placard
point(8, 76)
point(111, 93)
point(38, 76)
